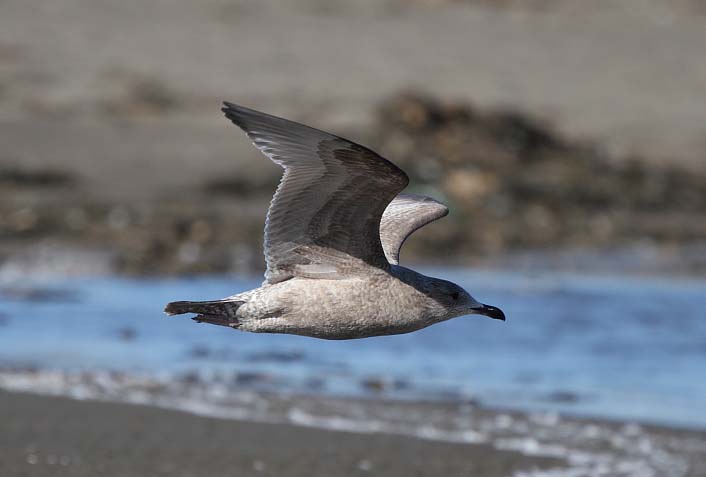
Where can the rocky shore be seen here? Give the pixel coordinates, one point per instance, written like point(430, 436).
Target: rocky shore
point(513, 184)
point(546, 126)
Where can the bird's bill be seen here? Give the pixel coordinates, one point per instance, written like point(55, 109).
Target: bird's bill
point(490, 311)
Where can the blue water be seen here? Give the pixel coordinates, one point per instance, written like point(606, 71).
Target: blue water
point(627, 348)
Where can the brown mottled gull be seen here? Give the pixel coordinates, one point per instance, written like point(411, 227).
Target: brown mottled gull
point(332, 241)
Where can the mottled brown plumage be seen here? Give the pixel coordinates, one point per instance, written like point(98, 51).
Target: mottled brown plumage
point(332, 238)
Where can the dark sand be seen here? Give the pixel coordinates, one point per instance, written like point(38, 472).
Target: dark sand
point(51, 436)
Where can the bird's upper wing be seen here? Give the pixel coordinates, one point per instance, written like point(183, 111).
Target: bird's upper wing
point(324, 219)
point(405, 214)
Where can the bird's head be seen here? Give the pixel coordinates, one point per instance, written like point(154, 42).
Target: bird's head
point(458, 302)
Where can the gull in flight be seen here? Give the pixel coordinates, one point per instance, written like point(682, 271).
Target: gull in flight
point(332, 243)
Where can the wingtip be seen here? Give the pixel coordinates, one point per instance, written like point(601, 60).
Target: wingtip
point(228, 107)
point(236, 113)
point(233, 112)
point(233, 107)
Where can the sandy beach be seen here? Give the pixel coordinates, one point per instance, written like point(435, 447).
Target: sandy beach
point(50, 436)
point(57, 436)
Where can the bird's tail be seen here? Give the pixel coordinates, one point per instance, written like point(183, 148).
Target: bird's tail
point(214, 308)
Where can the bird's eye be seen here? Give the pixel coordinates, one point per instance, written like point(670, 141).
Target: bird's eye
point(454, 295)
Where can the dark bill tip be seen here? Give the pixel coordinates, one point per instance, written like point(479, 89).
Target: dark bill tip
point(492, 312)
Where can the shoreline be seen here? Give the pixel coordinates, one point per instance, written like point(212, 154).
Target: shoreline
point(60, 436)
point(284, 397)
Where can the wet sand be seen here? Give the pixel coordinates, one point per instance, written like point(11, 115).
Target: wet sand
point(52, 436)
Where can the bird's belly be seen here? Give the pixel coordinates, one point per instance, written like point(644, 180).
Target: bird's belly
point(350, 327)
point(340, 328)
point(346, 309)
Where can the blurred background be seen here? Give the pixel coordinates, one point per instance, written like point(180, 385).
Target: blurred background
point(567, 137)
